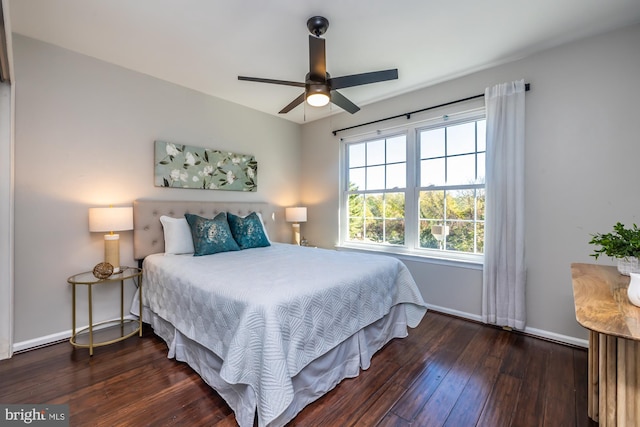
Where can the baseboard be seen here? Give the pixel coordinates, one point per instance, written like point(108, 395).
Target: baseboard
point(455, 313)
point(539, 333)
point(552, 336)
point(5, 350)
point(55, 338)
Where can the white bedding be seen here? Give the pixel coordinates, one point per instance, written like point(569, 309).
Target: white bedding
point(268, 312)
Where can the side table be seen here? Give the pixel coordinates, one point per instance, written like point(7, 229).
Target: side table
point(123, 328)
point(602, 306)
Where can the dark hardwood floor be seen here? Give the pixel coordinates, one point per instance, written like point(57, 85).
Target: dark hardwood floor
point(448, 372)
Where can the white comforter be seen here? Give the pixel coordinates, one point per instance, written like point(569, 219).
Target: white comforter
point(268, 312)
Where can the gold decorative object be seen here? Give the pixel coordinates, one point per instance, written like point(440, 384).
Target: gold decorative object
point(103, 270)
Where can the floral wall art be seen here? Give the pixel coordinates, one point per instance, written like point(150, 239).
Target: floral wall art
point(184, 166)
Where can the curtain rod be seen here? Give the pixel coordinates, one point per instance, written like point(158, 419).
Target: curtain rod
point(527, 87)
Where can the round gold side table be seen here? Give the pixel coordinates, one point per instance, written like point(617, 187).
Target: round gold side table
point(121, 329)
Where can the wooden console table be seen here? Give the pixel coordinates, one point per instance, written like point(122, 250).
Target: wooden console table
point(602, 306)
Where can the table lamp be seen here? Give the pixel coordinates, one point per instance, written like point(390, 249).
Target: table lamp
point(111, 219)
point(296, 215)
point(439, 232)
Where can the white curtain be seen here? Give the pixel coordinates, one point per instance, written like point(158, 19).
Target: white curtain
point(504, 276)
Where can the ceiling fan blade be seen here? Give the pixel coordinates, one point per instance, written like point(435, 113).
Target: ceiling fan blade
point(317, 59)
point(363, 79)
point(342, 102)
point(293, 104)
point(275, 82)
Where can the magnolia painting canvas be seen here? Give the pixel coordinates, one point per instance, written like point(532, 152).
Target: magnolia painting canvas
point(184, 166)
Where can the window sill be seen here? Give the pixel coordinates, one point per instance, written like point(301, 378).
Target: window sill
point(404, 254)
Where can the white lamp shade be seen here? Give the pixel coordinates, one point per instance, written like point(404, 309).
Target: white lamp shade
point(297, 214)
point(110, 219)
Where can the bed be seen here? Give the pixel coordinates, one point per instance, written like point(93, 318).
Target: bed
point(271, 328)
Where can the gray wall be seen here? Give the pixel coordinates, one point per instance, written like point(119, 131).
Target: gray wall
point(85, 131)
point(582, 173)
point(84, 137)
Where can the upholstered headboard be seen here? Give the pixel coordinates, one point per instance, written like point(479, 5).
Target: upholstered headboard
point(148, 237)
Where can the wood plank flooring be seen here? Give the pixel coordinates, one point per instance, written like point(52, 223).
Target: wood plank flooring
point(448, 372)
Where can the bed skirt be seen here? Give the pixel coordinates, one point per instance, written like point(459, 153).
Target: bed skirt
point(315, 380)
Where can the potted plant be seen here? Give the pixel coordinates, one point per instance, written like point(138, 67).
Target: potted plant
point(622, 244)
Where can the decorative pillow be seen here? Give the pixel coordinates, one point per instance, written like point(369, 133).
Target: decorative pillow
point(211, 236)
point(177, 236)
point(264, 227)
point(248, 231)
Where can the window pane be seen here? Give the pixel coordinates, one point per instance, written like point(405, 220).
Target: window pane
point(356, 179)
point(394, 218)
point(356, 217)
point(396, 149)
point(356, 205)
point(482, 135)
point(480, 204)
point(461, 139)
point(432, 205)
point(461, 204)
point(356, 155)
point(427, 239)
point(374, 230)
point(432, 172)
point(461, 169)
point(374, 206)
point(394, 231)
point(375, 178)
point(481, 169)
point(375, 152)
point(460, 236)
point(396, 176)
point(480, 237)
point(394, 206)
point(356, 229)
point(432, 143)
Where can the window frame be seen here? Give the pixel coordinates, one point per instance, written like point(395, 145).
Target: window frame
point(412, 190)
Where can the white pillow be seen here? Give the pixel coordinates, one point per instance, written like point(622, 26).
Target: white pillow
point(177, 236)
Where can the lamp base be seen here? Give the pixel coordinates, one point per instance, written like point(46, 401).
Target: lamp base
point(112, 251)
point(296, 234)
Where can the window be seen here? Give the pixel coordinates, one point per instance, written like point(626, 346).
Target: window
point(377, 176)
point(421, 191)
point(451, 191)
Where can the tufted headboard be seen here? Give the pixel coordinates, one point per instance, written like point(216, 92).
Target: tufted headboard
point(148, 237)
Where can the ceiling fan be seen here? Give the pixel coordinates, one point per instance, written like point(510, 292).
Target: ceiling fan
point(319, 86)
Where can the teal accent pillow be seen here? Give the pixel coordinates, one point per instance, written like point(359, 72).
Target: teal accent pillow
point(248, 231)
point(211, 236)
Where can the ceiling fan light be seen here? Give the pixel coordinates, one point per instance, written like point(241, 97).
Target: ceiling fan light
point(317, 95)
point(318, 99)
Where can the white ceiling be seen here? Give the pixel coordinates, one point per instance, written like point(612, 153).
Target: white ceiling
point(205, 44)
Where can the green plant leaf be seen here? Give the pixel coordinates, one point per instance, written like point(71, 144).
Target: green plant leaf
point(621, 243)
